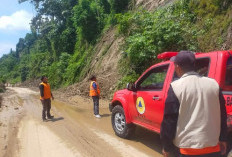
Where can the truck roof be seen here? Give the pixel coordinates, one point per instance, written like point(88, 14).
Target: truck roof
point(168, 55)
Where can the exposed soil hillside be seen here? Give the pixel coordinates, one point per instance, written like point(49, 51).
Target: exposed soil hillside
point(151, 4)
point(228, 43)
point(104, 65)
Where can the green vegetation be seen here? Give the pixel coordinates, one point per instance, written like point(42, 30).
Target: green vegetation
point(197, 25)
point(64, 33)
point(2, 89)
point(60, 45)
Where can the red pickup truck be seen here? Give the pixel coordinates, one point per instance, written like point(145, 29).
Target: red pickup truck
point(142, 103)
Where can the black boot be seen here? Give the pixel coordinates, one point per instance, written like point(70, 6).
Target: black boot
point(50, 117)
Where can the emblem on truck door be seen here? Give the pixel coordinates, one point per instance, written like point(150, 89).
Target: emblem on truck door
point(140, 105)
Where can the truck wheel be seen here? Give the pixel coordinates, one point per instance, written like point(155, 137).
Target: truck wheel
point(118, 119)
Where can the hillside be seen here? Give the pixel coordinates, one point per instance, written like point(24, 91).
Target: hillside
point(116, 40)
point(104, 65)
point(151, 4)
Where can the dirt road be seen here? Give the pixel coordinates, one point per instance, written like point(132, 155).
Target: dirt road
point(74, 132)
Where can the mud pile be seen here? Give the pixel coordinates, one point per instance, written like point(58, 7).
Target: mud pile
point(30, 83)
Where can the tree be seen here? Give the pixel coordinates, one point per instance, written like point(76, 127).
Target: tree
point(20, 46)
point(87, 19)
point(29, 40)
point(106, 6)
point(119, 6)
point(54, 24)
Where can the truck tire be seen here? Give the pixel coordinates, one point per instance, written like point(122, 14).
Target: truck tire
point(118, 120)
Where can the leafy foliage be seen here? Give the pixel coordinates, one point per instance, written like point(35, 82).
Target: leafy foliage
point(62, 33)
point(152, 33)
point(119, 6)
point(187, 24)
point(86, 19)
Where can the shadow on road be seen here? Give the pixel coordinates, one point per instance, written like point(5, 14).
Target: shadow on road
point(150, 139)
point(55, 119)
point(105, 115)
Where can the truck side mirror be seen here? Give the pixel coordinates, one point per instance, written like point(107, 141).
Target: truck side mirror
point(130, 86)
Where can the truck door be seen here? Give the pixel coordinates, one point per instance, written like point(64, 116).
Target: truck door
point(149, 98)
point(227, 88)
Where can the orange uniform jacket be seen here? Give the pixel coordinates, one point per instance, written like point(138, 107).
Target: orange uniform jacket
point(45, 91)
point(92, 91)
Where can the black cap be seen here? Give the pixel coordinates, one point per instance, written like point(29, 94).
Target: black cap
point(92, 77)
point(185, 58)
point(42, 77)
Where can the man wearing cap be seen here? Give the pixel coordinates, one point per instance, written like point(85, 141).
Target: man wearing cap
point(45, 97)
point(194, 115)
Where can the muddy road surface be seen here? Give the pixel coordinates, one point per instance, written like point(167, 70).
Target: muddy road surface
point(74, 131)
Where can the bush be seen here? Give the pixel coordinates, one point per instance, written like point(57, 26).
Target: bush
point(127, 79)
point(56, 72)
point(184, 25)
point(119, 6)
point(148, 34)
point(2, 88)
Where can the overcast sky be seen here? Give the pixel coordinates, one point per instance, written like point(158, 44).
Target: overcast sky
point(15, 21)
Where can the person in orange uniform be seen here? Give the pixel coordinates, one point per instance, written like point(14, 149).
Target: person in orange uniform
point(195, 114)
point(95, 94)
point(45, 97)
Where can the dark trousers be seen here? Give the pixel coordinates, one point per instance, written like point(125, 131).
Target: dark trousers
point(46, 108)
point(217, 154)
point(95, 104)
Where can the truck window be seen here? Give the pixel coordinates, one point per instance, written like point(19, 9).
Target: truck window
point(228, 80)
point(201, 67)
point(154, 79)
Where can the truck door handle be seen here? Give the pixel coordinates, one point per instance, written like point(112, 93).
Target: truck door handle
point(156, 98)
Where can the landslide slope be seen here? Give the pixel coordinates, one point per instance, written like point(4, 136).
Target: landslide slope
point(104, 65)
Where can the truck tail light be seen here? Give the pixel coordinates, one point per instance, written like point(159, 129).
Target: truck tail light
point(167, 55)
